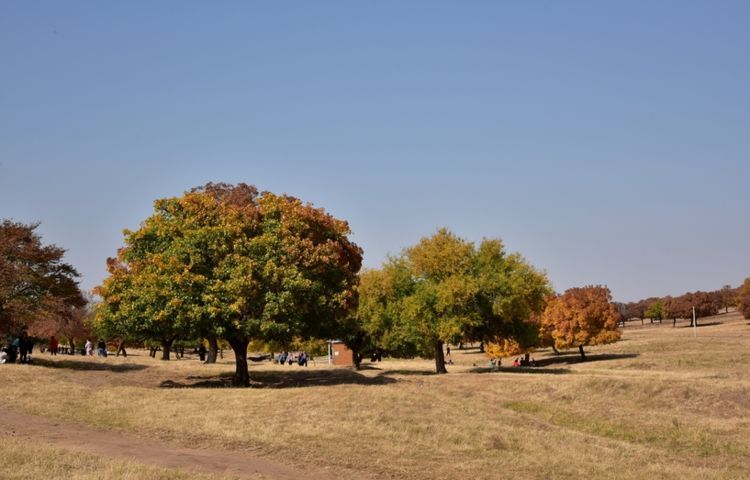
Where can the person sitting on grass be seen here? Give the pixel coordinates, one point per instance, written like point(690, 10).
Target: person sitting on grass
point(516, 362)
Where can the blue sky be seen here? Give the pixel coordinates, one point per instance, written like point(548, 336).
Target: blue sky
point(609, 142)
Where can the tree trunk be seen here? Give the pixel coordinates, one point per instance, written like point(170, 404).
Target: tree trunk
point(674, 322)
point(481, 347)
point(439, 358)
point(526, 357)
point(583, 354)
point(213, 349)
point(241, 375)
point(72, 346)
point(554, 349)
point(166, 346)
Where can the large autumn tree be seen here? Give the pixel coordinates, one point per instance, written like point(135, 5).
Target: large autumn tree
point(35, 283)
point(226, 261)
point(580, 317)
point(743, 299)
point(445, 289)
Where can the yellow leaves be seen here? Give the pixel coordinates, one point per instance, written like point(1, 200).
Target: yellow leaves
point(441, 255)
point(504, 347)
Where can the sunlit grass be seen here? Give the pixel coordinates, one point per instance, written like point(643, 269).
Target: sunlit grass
point(659, 404)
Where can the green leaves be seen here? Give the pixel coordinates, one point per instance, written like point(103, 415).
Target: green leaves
point(445, 289)
point(226, 260)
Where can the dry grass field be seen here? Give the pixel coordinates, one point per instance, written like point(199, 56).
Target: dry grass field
point(662, 403)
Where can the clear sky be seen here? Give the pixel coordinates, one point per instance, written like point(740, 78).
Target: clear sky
point(609, 142)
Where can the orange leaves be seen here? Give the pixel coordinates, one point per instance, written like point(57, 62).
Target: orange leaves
point(581, 316)
point(743, 299)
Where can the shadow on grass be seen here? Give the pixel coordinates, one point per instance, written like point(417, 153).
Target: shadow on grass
point(88, 365)
point(570, 359)
point(707, 324)
point(406, 371)
point(401, 371)
point(523, 370)
point(292, 379)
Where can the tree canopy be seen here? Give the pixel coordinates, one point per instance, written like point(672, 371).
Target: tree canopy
point(35, 283)
point(225, 260)
point(743, 299)
point(446, 289)
point(580, 317)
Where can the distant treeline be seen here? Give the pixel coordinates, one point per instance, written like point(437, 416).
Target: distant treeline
point(672, 308)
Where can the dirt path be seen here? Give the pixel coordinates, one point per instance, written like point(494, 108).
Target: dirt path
point(81, 438)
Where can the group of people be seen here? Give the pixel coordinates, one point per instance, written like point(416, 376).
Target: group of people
point(300, 359)
point(522, 362)
point(17, 349)
point(517, 362)
point(101, 348)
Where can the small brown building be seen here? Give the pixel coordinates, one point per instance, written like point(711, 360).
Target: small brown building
point(339, 354)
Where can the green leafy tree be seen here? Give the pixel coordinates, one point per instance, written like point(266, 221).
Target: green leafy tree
point(225, 261)
point(655, 311)
point(512, 295)
point(445, 289)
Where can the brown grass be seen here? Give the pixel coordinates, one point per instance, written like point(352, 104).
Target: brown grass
point(24, 459)
point(659, 404)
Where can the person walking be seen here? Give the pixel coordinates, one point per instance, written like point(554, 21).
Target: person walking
point(89, 347)
point(53, 345)
point(121, 348)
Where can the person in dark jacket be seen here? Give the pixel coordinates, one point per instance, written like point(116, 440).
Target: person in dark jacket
point(102, 347)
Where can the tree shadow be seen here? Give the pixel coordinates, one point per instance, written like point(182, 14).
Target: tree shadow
point(291, 379)
point(522, 370)
point(87, 365)
point(369, 366)
point(406, 371)
point(707, 324)
point(570, 359)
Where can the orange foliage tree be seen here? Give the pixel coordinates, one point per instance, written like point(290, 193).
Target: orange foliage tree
point(35, 282)
point(743, 299)
point(581, 316)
